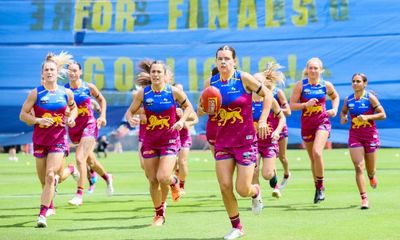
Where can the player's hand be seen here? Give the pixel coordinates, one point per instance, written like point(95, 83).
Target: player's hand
point(311, 102)
point(134, 121)
point(343, 119)
point(70, 122)
point(362, 117)
point(263, 130)
point(331, 112)
point(101, 122)
point(200, 109)
point(178, 125)
point(275, 136)
point(44, 122)
point(142, 118)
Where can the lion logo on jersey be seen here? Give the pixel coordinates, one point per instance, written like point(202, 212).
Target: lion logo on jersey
point(57, 120)
point(160, 122)
point(231, 114)
point(357, 123)
point(83, 111)
point(312, 110)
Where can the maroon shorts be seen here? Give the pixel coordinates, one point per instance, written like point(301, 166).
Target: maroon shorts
point(40, 151)
point(243, 155)
point(89, 130)
point(308, 134)
point(369, 145)
point(153, 152)
point(269, 151)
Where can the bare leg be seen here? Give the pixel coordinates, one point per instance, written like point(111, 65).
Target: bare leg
point(282, 155)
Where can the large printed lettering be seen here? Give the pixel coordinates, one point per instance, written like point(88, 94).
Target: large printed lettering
point(123, 74)
point(120, 72)
point(104, 16)
point(124, 15)
point(93, 71)
point(306, 10)
point(218, 10)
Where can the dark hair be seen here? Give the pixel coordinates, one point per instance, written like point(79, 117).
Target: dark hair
point(144, 65)
point(226, 47)
point(214, 71)
point(76, 63)
point(362, 75)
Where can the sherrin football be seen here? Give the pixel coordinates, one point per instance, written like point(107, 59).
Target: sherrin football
point(211, 100)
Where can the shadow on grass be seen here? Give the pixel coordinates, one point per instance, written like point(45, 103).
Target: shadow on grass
point(18, 225)
point(313, 207)
point(16, 216)
point(105, 228)
point(190, 238)
point(103, 219)
point(17, 209)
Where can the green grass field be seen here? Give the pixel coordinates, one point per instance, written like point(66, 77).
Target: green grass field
point(200, 214)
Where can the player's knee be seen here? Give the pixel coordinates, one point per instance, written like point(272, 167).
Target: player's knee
point(226, 187)
point(268, 174)
point(317, 154)
point(80, 161)
point(163, 178)
point(359, 167)
point(243, 190)
point(50, 177)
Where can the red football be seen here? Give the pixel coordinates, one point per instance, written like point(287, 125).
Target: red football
point(211, 100)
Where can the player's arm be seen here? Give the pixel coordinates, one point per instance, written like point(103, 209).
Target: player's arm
point(282, 120)
point(191, 120)
point(101, 121)
point(253, 85)
point(185, 104)
point(200, 109)
point(137, 100)
point(284, 103)
point(334, 96)
point(295, 103)
point(72, 109)
point(344, 112)
point(25, 114)
point(379, 111)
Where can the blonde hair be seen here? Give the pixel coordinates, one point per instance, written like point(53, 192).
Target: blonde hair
point(62, 59)
point(313, 59)
point(272, 72)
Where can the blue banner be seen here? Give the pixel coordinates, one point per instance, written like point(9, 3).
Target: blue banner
point(109, 39)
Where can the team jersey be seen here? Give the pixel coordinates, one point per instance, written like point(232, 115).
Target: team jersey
point(82, 99)
point(235, 120)
point(315, 115)
point(85, 112)
point(160, 110)
point(361, 106)
point(50, 104)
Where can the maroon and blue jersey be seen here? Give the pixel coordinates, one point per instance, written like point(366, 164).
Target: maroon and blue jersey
point(85, 122)
point(82, 98)
point(361, 106)
point(50, 104)
point(160, 110)
point(314, 116)
point(235, 120)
